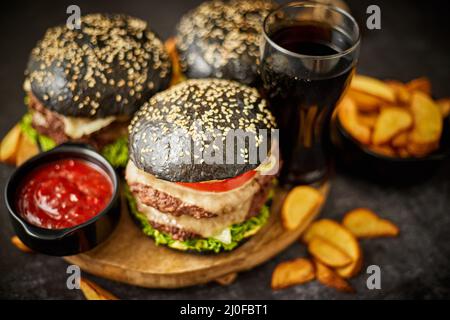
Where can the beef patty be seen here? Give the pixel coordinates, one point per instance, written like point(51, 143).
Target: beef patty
point(54, 127)
point(173, 206)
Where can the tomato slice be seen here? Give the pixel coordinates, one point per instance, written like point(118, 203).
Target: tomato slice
point(220, 185)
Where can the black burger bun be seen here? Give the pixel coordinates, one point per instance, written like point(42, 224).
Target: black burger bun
point(220, 39)
point(108, 67)
point(198, 116)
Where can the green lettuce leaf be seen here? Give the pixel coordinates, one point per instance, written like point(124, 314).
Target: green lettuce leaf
point(44, 142)
point(116, 153)
point(239, 231)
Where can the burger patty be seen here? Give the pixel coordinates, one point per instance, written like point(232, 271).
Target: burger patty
point(259, 199)
point(175, 232)
point(160, 201)
point(54, 127)
point(167, 203)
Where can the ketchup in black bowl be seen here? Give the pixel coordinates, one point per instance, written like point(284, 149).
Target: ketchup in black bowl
point(64, 201)
point(63, 194)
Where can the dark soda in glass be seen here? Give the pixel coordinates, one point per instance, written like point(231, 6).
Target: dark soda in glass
point(305, 68)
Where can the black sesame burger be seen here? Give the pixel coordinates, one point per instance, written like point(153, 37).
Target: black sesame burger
point(85, 84)
point(194, 180)
point(220, 39)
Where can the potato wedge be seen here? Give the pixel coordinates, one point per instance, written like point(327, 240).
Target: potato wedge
point(384, 150)
point(444, 105)
point(299, 205)
point(10, 145)
point(227, 279)
point(422, 84)
point(170, 46)
point(93, 292)
point(368, 119)
point(177, 75)
point(403, 153)
point(364, 223)
point(331, 279)
point(392, 121)
point(352, 269)
point(20, 245)
point(348, 117)
point(27, 149)
point(293, 272)
point(340, 238)
point(428, 120)
point(364, 102)
point(400, 140)
point(327, 253)
point(373, 87)
point(402, 94)
point(423, 149)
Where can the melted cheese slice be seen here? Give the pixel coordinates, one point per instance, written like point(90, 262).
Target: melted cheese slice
point(217, 227)
point(236, 201)
point(230, 206)
point(78, 127)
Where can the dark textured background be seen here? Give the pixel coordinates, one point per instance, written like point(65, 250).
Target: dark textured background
point(413, 42)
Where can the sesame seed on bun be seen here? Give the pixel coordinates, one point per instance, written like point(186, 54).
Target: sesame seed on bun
point(220, 39)
point(109, 67)
point(197, 114)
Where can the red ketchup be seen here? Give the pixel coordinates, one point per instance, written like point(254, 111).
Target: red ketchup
point(64, 193)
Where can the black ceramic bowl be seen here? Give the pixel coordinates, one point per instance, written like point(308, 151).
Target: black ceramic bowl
point(357, 159)
point(73, 240)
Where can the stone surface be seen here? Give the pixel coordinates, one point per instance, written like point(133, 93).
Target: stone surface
point(413, 42)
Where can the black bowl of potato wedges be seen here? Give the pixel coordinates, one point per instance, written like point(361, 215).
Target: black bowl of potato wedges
point(391, 131)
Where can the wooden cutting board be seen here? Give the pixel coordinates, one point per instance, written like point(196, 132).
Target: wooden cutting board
point(131, 257)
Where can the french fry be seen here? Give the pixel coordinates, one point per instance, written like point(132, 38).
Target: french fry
point(299, 205)
point(420, 84)
point(331, 279)
point(444, 105)
point(428, 120)
point(365, 102)
point(10, 145)
point(27, 149)
point(348, 117)
point(391, 122)
point(93, 292)
point(293, 272)
point(402, 93)
point(374, 87)
point(327, 253)
point(226, 280)
point(340, 238)
point(364, 223)
point(20, 245)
